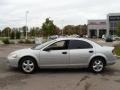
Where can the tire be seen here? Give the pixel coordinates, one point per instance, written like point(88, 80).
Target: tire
point(28, 65)
point(97, 65)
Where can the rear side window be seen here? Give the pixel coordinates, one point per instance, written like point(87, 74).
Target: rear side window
point(79, 44)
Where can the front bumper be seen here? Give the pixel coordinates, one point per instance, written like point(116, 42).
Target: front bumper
point(12, 62)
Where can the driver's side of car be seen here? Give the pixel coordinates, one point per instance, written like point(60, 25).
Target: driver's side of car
point(55, 55)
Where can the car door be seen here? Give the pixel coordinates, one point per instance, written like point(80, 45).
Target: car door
point(54, 55)
point(80, 52)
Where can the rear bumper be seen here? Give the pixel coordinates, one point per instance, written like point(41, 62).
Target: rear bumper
point(111, 63)
point(112, 60)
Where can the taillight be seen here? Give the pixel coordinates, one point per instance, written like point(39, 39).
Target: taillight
point(113, 51)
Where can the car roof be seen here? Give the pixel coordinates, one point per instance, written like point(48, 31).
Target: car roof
point(69, 38)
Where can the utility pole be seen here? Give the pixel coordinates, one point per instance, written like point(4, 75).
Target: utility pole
point(26, 15)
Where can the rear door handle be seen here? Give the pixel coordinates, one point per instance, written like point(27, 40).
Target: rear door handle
point(91, 51)
point(64, 52)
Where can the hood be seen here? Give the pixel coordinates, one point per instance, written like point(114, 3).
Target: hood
point(21, 51)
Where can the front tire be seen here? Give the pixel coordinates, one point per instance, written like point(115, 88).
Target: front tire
point(97, 65)
point(28, 65)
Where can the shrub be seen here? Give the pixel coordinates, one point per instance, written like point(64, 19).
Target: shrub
point(21, 41)
point(33, 41)
point(12, 42)
point(28, 41)
point(12, 35)
point(18, 35)
point(6, 41)
point(117, 50)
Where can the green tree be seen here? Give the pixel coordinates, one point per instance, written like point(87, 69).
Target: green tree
point(24, 30)
point(82, 30)
point(56, 30)
point(32, 32)
point(6, 32)
point(35, 32)
point(48, 27)
point(12, 35)
point(18, 34)
point(15, 34)
point(0, 33)
point(79, 30)
point(118, 29)
point(68, 30)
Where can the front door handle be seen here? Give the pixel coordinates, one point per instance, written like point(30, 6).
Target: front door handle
point(91, 51)
point(64, 52)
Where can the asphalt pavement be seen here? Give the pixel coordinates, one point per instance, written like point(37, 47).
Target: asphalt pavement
point(56, 79)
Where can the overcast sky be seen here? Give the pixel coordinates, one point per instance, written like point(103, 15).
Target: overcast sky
point(63, 12)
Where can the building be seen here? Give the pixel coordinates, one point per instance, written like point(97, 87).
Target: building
point(112, 20)
point(97, 28)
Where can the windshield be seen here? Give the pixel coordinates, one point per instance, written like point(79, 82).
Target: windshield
point(38, 47)
point(109, 36)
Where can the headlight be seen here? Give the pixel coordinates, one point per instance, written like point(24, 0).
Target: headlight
point(13, 55)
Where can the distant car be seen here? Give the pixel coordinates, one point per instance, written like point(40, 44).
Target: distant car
point(85, 36)
point(103, 36)
point(76, 36)
point(63, 53)
point(38, 40)
point(53, 37)
point(108, 38)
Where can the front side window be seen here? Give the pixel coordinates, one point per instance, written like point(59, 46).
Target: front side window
point(79, 44)
point(38, 47)
point(60, 45)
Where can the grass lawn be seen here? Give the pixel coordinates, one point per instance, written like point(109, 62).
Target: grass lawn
point(117, 50)
point(1, 38)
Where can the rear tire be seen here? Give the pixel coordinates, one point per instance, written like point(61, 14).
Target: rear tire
point(97, 65)
point(28, 65)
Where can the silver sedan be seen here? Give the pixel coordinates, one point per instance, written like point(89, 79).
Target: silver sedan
point(63, 53)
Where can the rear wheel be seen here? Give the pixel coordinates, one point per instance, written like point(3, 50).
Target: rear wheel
point(97, 65)
point(28, 65)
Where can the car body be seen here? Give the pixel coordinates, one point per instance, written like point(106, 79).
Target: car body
point(63, 53)
point(103, 36)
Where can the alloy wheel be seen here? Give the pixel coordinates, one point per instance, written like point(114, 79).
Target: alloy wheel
point(28, 66)
point(98, 65)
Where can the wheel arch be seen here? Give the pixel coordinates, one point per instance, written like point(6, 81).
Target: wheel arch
point(98, 56)
point(26, 57)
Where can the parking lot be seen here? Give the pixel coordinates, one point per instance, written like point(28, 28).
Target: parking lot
point(56, 79)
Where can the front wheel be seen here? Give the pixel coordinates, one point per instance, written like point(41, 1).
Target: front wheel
point(28, 65)
point(97, 65)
